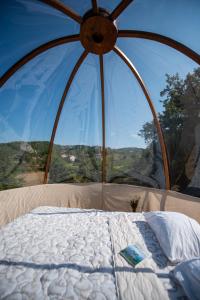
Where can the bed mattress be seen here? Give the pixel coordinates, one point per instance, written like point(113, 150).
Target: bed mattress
point(63, 253)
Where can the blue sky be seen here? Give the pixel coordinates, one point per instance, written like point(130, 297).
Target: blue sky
point(29, 100)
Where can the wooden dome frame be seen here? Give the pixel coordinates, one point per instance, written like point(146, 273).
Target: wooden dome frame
point(122, 34)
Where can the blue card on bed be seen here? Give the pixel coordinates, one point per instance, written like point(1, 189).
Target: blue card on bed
point(132, 254)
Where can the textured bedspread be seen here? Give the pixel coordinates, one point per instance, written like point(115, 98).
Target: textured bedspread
point(60, 253)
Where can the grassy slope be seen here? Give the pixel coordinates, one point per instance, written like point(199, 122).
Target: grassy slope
point(19, 158)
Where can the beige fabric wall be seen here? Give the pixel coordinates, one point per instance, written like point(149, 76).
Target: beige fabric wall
point(15, 202)
point(118, 197)
point(111, 197)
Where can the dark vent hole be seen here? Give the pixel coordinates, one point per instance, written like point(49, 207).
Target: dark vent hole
point(97, 38)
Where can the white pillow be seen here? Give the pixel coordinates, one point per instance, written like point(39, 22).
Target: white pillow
point(177, 234)
point(187, 274)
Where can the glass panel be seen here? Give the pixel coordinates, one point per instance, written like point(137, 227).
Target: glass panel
point(26, 25)
point(176, 19)
point(153, 61)
point(130, 159)
point(109, 5)
point(174, 84)
point(29, 102)
point(76, 153)
point(80, 7)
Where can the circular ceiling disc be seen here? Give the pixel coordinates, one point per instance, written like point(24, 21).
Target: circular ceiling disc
point(98, 34)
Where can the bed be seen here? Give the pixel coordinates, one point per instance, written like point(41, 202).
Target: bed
point(65, 253)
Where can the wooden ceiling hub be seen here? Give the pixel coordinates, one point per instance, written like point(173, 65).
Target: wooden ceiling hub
point(98, 32)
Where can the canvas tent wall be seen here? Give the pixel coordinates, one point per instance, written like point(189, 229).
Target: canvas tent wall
point(110, 197)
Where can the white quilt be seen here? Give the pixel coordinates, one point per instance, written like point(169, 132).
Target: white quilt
point(60, 253)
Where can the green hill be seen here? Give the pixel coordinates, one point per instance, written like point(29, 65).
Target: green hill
point(76, 163)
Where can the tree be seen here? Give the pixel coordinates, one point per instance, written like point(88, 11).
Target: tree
point(179, 121)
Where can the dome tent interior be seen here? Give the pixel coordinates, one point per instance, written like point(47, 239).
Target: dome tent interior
point(99, 149)
point(92, 93)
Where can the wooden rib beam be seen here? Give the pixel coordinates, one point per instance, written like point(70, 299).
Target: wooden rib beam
point(64, 9)
point(119, 9)
point(62, 102)
point(34, 53)
point(156, 121)
point(161, 39)
point(103, 119)
point(95, 6)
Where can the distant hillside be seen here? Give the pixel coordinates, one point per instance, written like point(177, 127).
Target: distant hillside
point(20, 157)
point(20, 161)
